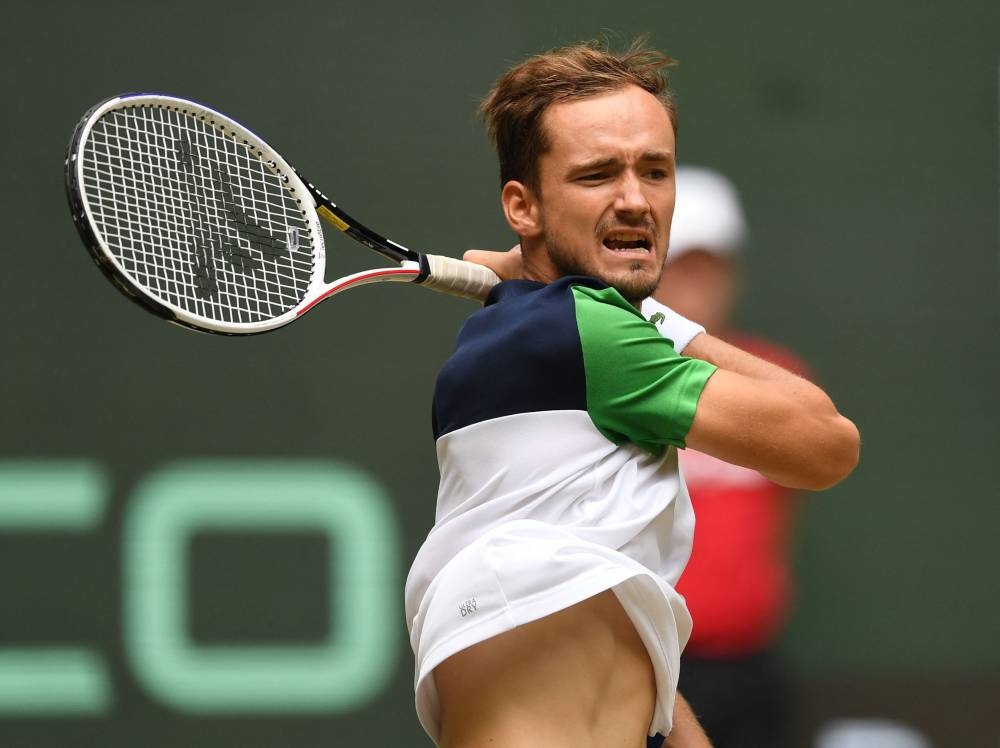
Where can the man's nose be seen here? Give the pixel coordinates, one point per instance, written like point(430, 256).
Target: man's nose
point(631, 199)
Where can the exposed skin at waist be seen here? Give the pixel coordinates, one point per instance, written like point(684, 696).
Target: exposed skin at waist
point(578, 678)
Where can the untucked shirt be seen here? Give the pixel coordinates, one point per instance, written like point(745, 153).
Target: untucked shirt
point(556, 420)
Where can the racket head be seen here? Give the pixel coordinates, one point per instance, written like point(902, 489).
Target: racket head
point(193, 216)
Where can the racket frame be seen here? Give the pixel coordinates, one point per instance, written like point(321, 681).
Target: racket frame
point(413, 266)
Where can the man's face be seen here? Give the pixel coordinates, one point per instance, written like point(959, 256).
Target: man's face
point(607, 190)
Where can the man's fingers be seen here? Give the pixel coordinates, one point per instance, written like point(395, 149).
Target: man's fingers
point(505, 264)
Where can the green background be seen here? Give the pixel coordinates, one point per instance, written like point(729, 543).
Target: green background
point(864, 137)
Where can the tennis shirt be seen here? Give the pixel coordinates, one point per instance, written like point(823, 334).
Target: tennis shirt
point(556, 421)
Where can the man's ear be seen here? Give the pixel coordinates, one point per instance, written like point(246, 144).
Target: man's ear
point(522, 209)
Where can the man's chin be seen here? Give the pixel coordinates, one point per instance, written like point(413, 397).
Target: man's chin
point(635, 284)
point(633, 287)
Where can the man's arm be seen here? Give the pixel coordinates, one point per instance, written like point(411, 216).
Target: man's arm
point(758, 415)
point(686, 732)
point(753, 413)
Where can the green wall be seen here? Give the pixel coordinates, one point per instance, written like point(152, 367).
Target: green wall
point(865, 140)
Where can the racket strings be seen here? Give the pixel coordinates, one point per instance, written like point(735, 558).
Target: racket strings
point(195, 216)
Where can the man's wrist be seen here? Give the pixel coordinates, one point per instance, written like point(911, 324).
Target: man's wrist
point(677, 329)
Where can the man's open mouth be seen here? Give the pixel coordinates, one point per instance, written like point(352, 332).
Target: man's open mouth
point(627, 241)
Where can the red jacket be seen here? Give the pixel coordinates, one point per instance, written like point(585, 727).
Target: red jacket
point(738, 582)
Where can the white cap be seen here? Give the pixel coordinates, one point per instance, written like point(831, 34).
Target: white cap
point(708, 214)
point(870, 733)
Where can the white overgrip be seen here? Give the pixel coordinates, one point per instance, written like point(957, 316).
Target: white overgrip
point(459, 278)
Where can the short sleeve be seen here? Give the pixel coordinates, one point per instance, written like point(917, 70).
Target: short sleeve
point(639, 389)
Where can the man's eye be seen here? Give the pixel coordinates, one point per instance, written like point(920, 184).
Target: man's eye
point(657, 174)
point(596, 176)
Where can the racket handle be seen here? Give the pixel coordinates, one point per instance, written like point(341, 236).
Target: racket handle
point(456, 277)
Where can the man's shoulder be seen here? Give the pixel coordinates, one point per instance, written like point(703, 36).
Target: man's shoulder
point(519, 292)
point(531, 310)
point(524, 351)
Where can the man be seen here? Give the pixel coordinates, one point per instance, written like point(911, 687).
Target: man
point(737, 583)
point(541, 606)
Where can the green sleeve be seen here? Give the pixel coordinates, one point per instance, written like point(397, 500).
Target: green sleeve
point(639, 389)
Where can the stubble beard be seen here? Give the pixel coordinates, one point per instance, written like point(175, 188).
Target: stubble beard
point(634, 284)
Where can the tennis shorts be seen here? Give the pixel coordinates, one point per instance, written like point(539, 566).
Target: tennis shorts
point(525, 570)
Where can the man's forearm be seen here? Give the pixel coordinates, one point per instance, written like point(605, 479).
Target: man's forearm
point(726, 356)
point(756, 414)
point(686, 732)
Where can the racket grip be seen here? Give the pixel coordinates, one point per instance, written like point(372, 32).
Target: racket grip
point(457, 277)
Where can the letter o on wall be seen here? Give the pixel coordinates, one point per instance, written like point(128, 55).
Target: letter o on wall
point(358, 654)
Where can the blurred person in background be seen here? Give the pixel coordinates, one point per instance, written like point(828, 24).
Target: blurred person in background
point(738, 581)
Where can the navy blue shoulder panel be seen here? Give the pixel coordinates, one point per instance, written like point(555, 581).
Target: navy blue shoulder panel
point(520, 353)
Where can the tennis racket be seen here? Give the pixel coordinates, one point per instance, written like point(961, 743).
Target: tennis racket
point(201, 222)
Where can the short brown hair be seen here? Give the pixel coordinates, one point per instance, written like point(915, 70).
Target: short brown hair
point(513, 109)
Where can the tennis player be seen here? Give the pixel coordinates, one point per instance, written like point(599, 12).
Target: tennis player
point(541, 607)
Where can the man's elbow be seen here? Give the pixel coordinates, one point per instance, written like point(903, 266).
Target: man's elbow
point(837, 456)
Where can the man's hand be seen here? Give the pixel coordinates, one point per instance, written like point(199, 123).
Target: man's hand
point(507, 264)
